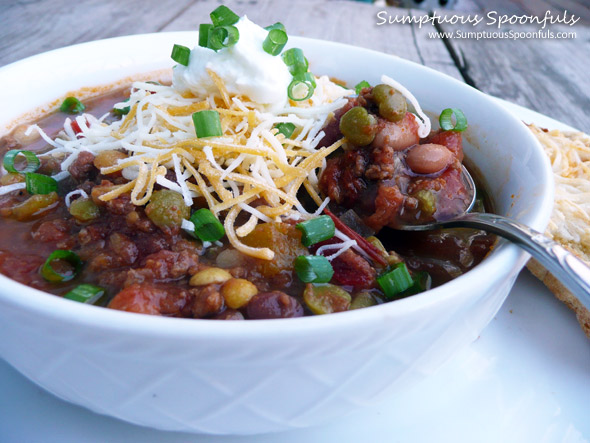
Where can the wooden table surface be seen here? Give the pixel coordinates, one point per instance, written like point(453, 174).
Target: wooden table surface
point(546, 75)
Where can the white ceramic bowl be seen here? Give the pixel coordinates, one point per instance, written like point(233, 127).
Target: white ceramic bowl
point(267, 375)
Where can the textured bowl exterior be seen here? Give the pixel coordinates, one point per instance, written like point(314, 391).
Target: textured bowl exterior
point(271, 375)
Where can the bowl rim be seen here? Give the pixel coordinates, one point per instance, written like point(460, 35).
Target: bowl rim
point(51, 306)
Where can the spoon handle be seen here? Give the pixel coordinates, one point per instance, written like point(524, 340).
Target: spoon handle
point(565, 266)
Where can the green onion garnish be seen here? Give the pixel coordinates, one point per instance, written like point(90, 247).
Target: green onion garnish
point(223, 16)
point(313, 269)
point(295, 61)
point(207, 227)
point(275, 41)
point(32, 164)
point(359, 87)
point(395, 281)
point(204, 29)
point(301, 87)
point(56, 276)
point(71, 105)
point(85, 293)
point(39, 183)
point(223, 37)
point(207, 123)
point(286, 129)
point(422, 282)
point(316, 230)
point(277, 25)
point(446, 120)
point(122, 111)
point(180, 54)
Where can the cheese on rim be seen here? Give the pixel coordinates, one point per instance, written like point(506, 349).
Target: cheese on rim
point(569, 154)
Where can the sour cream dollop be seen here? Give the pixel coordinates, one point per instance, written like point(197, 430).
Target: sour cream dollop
point(245, 68)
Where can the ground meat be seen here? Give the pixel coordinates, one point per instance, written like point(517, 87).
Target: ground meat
point(166, 265)
point(207, 301)
point(83, 167)
point(350, 269)
point(120, 205)
point(19, 267)
point(388, 203)
point(51, 231)
point(342, 179)
point(149, 299)
point(124, 248)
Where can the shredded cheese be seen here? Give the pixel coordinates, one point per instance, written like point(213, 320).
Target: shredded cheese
point(251, 161)
point(569, 155)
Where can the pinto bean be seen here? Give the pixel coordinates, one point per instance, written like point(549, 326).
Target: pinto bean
point(428, 158)
point(397, 135)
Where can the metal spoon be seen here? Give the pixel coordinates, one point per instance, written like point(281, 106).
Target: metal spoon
point(565, 266)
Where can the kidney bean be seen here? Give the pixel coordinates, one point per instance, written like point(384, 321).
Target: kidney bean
point(275, 304)
point(428, 158)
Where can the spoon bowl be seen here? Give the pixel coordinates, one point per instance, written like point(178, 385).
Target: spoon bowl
point(565, 266)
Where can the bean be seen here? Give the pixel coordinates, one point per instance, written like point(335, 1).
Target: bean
point(392, 104)
point(326, 299)
point(397, 135)
point(84, 209)
point(358, 126)
point(210, 275)
point(32, 208)
point(167, 209)
point(428, 158)
point(273, 304)
point(229, 258)
point(104, 159)
point(237, 292)
point(11, 178)
point(363, 299)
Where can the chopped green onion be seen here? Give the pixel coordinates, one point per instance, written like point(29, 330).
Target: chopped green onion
point(71, 105)
point(422, 282)
point(359, 87)
point(207, 227)
point(301, 87)
point(295, 61)
point(313, 269)
point(207, 123)
point(32, 164)
point(395, 281)
point(223, 16)
point(85, 293)
point(446, 120)
point(39, 183)
point(223, 37)
point(316, 230)
point(286, 129)
point(204, 29)
point(55, 276)
point(275, 41)
point(122, 111)
point(277, 25)
point(181, 54)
